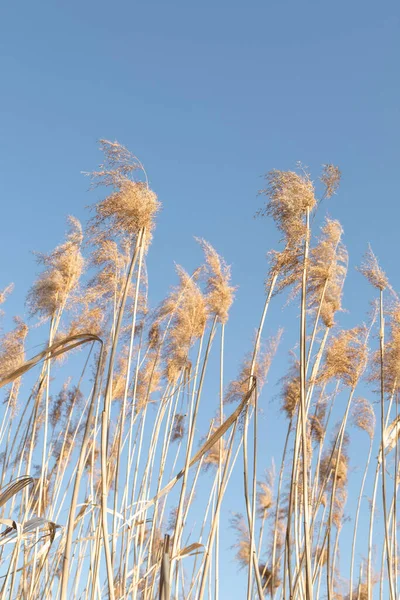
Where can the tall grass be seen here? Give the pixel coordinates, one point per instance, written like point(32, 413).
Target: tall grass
point(103, 456)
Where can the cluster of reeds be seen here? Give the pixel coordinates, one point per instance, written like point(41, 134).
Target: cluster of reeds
point(103, 462)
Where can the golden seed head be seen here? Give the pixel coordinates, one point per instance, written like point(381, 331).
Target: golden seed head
point(132, 205)
point(265, 493)
point(364, 416)
point(63, 268)
point(346, 357)
point(240, 386)
point(12, 348)
point(327, 270)
point(242, 544)
point(332, 464)
point(186, 312)
point(331, 179)
point(289, 196)
point(219, 292)
point(372, 271)
point(290, 393)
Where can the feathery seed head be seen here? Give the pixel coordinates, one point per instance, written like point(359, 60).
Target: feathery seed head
point(218, 289)
point(240, 386)
point(132, 205)
point(242, 545)
point(346, 357)
point(289, 196)
point(63, 268)
point(331, 179)
point(372, 271)
point(331, 463)
point(186, 310)
point(290, 393)
point(265, 494)
point(317, 428)
point(148, 382)
point(326, 272)
point(12, 348)
point(364, 416)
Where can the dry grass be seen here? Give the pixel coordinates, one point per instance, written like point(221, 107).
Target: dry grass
point(103, 493)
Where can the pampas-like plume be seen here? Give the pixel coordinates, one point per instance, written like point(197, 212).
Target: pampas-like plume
point(364, 416)
point(290, 393)
point(265, 494)
point(131, 206)
point(63, 268)
point(148, 381)
point(240, 386)
point(186, 307)
point(289, 196)
point(12, 352)
point(219, 292)
point(331, 464)
point(129, 209)
point(327, 271)
point(372, 271)
point(331, 179)
point(242, 544)
point(119, 163)
point(346, 357)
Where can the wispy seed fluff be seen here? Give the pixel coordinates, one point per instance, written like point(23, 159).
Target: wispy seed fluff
point(63, 268)
point(346, 357)
point(132, 205)
point(186, 312)
point(364, 416)
point(240, 386)
point(219, 292)
point(289, 196)
point(290, 393)
point(327, 271)
point(242, 544)
point(331, 179)
point(265, 494)
point(12, 348)
point(334, 464)
point(4, 294)
point(372, 271)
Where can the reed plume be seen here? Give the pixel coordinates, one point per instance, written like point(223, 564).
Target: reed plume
point(62, 270)
point(219, 292)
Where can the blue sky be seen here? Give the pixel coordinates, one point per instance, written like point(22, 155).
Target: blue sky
point(210, 96)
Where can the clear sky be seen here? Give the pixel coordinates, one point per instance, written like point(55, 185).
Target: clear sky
point(210, 95)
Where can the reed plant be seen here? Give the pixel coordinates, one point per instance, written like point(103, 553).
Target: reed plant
point(111, 486)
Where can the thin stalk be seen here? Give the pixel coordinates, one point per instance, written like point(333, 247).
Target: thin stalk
point(303, 416)
point(253, 553)
point(179, 521)
point(78, 477)
point(387, 541)
point(353, 546)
